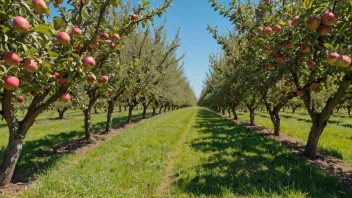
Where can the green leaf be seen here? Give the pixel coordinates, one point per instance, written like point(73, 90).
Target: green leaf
point(53, 54)
point(329, 46)
point(32, 51)
point(71, 75)
point(308, 4)
point(42, 29)
point(58, 23)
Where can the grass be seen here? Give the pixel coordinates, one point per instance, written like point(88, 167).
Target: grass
point(48, 131)
point(206, 156)
point(336, 139)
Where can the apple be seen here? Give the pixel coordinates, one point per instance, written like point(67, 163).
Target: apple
point(281, 57)
point(20, 99)
point(90, 79)
point(110, 90)
point(133, 17)
point(30, 65)
point(63, 38)
point(305, 49)
point(328, 18)
point(324, 30)
point(55, 75)
point(62, 81)
point(270, 65)
point(112, 46)
point(289, 23)
point(115, 38)
point(332, 58)
point(288, 45)
point(95, 43)
point(300, 92)
point(20, 24)
point(277, 28)
point(88, 62)
point(267, 80)
point(295, 21)
point(11, 58)
point(260, 30)
point(117, 74)
point(11, 82)
point(58, 1)
point(268, 31)
point(40, 6)
point(314, 86)
point(313, 23)
point(344, 61)
point(65, 98)
point(310, 64)
point(104, 36)
point(76, 32)
point(103, 79)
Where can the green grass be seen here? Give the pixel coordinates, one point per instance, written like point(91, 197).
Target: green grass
point(336, 139)
point(49, 131)
point(212, 158)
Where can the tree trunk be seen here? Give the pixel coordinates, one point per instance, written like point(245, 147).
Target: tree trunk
point(223, 111)
point(109, 116)
point(130, 110)
point(61, 114)
point(229, 112)
point(251, 115)
point(88, 124)
point(119, 108)
point(349, 111)
point(95, 110)
point(165, 108)
point(125, 108)
point(235, 117)
point(154, 111)
point(160, 109)
point(144, 114)
point(314, 135)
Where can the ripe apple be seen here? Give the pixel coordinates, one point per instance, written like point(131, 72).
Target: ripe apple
point(115, 38)
point(55, 75)
point(65, 98)
point(277, 28)
point(314, 23)
point(103, 79)
point(324, 30)
point(260, 30)
point(90, 79)
point(344, 61)
point(332, 58)
point(281, 58)
point(11, 58)
point(104, 36)
point(300, 92)
point(40, 6)
point(76, 32)
point(270, 65)
point(305, 49)
point(328, 18)
point(110, 90)
point(268, 31)
point(63, 38)
point(11, 82)
point(95, 43)
point(112, 46)
point(88, 62)
point(267, 80)
point(310, 64)
point(314, 86)
point(62, 81)
point(20, 24)
point(20, 99)
point(295, 21)
point(30, 65)
point(288, 44)
point(133, 17)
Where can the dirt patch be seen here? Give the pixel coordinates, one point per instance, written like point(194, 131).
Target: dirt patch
point(340, 169)
point(78, 145)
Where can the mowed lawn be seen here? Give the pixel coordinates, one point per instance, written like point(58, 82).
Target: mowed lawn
point(186, 153)
point(336, 139)
point(49, 131)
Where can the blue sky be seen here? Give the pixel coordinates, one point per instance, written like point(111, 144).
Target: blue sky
point(192, 16)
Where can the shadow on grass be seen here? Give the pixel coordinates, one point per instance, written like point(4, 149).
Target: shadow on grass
point(36, 156)
point(332, 152)
point(245, 163)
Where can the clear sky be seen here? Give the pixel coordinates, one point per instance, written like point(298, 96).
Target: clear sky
point(192, 16)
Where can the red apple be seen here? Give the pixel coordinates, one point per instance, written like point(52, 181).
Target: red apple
point(112, 46)
point(40, 6)
point(277, 28)
point(90, 79)
point(117, 74)
point(270, 65)
point(268, 31)
point(55, 75)
point(30, 65)
point(88, 62)
point(332, 58)
point(260, 30)
point(288, 45)
point(324, 30)
point(267, 80)
point(310, 64)
point(20, 24)
point(20, 99)
point(313, 23)
point(328, 18)
point(95, 43)
point(110, 90)
point(115, 38)
point(76, 32)
point(314, 86)
point(305, 49)
point(281, 58)
point(11, 82)
point(104, 36)
point(62, 81)
point(103, 79)
point(300, 92)
point(11, 58)
point(133, 17)
point(65, 98)
point(344, 61)
point(295, 21)
point(63, 38)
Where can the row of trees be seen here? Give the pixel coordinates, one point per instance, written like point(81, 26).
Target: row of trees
point(283, 53)
point(93, 53)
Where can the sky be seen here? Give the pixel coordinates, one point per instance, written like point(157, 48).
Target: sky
point(192, 16)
